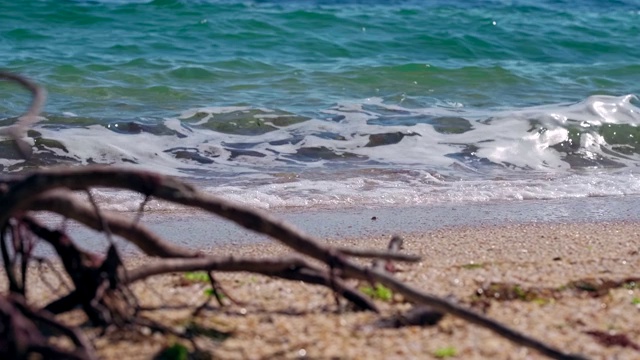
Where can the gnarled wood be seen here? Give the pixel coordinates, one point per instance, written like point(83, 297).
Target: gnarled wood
point(22, 195)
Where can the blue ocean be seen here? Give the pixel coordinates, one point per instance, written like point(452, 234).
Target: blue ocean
point(306, 103)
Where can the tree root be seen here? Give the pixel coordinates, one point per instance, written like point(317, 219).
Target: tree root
point(20, 334)
point(290, 268)
point(21, 196)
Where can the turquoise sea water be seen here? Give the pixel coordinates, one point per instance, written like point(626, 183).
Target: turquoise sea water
point(297, 103)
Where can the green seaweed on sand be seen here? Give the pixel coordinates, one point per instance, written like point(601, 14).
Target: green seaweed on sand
point(197, 276)
point(202, 277)
point(473, 266)
point(445, 352)
point(378, 292)
point(509, 291)
point(593, 287)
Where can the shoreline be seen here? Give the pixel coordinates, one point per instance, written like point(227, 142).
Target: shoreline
point(197, 229)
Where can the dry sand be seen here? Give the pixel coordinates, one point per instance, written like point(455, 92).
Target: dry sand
point(564, 281)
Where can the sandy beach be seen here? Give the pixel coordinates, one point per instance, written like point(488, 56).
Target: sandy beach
point(572, 285)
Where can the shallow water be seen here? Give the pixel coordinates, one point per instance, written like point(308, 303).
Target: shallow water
point(327, 103)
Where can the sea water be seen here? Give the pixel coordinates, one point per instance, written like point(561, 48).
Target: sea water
point(334, 103)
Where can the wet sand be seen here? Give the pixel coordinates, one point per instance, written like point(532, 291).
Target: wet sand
point(205, 231)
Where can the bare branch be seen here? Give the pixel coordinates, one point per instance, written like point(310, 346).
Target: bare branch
point(38, 93)
point(17, 132)
point(141, 209)
point(104, 226)
point(65, 203)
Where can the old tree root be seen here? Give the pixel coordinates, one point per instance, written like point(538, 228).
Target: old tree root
point(100, 281)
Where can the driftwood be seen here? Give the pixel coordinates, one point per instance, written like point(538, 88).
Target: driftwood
point(101, 282)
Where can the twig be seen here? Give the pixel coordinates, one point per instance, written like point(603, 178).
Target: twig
point(379, 254)
point(65, 203)
point(144, 203)
point(104, 225)
point(394, 247)
point(215, 292)
point(46, 262)
point(292, 268)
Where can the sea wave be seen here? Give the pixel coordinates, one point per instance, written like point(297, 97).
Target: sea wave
point(599, 132)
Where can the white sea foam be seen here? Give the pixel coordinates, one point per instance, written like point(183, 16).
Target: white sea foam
point(411, 190)
point(368, 153)
point(523, 138)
